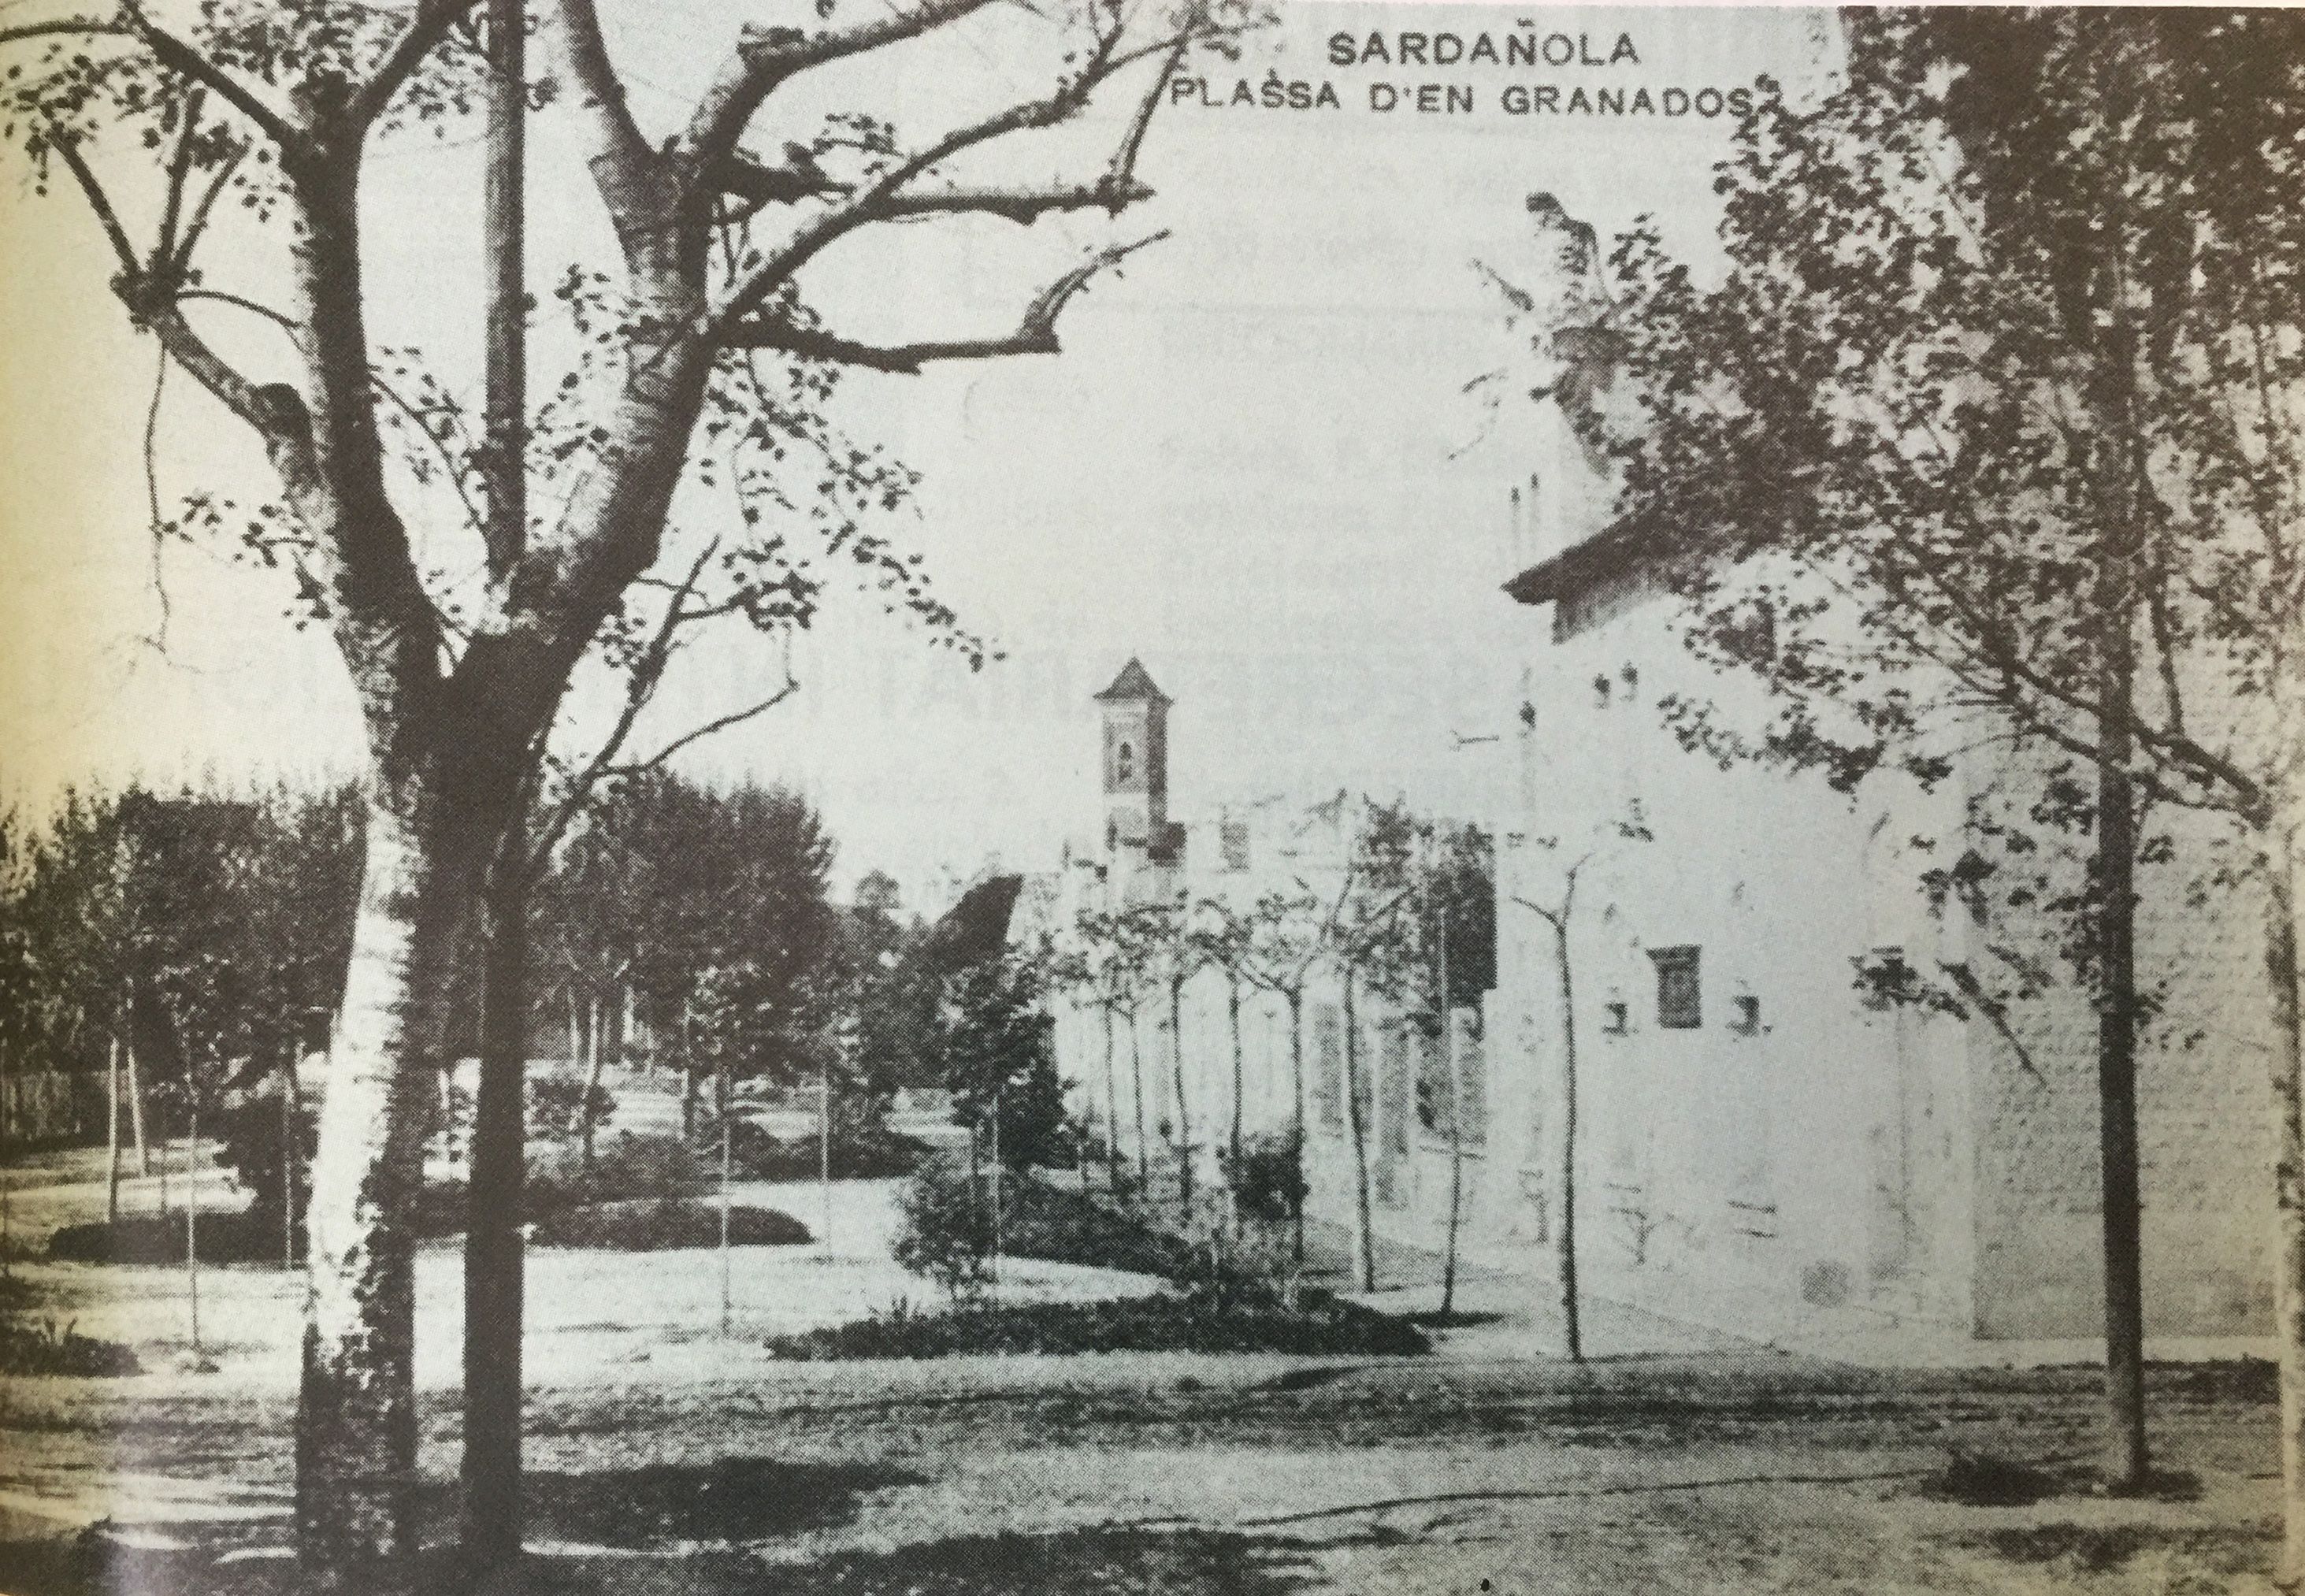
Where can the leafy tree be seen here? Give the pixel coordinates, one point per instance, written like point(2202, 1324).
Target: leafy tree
point(460, 666)
point(1421, 932)
point(1277, 945)
point(1107, 958)
point(1000, 1064)
point(2001, 380)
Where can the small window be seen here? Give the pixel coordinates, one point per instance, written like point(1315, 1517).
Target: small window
point(1616, 1019)
point(1747, 1021)
point(1679, 1007)
point(1124, 765)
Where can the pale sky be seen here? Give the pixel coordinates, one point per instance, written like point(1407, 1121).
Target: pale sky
point(1248, 467)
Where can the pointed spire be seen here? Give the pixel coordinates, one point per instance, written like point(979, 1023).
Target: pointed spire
point(1134, 685)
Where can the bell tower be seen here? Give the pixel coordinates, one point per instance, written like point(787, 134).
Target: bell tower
point(1135, 765)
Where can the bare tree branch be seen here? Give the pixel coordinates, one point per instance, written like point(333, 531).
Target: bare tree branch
point(767, 57)
point(153, 305)
point(189, 63)
point(180, 260)
point(1122, 173)
point(67, 147)
point(66, 28)
point(1035, 334)
point(641, 684)
point(422, 36)
point(735, 718)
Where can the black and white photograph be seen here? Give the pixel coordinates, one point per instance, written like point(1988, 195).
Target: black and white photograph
point(948, 797)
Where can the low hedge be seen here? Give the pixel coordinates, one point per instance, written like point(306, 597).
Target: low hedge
point(1318, 1326)
point(158, 1240)
point(665, 1226)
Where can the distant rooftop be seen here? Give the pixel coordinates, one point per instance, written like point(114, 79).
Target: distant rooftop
point(1134, 685)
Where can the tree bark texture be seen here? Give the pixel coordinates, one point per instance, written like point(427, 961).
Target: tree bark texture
point(495, 1261)
point(2127, 1463)
point(356, 1418)
point(2289, 1198)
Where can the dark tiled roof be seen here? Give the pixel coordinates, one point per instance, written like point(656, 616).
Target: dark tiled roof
point(1134, 684)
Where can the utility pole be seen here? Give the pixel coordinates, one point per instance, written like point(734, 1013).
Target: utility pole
point(495, 1286)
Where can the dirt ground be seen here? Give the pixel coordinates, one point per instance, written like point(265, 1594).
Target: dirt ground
point(1722, 1470)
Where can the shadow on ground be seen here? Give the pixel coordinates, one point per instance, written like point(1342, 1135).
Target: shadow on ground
point(1121, 1561)
point(733, 1498)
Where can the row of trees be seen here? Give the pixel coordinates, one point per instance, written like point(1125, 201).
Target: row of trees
point(190, 947)
point(692, 369)
point(196, 944)
point(1409, 915)
point(1982, 453)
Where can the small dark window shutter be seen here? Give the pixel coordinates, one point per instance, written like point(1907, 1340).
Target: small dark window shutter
point(1680, 1005)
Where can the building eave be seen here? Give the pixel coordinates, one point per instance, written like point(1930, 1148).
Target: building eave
point(1609, 552)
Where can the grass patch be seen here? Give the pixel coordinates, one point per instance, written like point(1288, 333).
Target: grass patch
point(47, 1348)
point(1320, 1325)
point(664, 1226)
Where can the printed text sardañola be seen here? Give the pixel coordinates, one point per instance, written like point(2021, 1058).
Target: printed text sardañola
point(1524, 48)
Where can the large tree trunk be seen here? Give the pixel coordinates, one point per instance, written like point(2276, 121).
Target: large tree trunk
point(1364, 1228)
point(495, 1261)
point(2127, 1466)
point(356, 1417)
point(2289, 1198)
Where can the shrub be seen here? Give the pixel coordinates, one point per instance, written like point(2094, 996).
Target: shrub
point(1270, 1184)
point(556, 1102)
point(944, 1227)
point(248, 1144)
point(1320, 1325)
point(665, 1226)
point(1043, 1222)
point(629, 1168)
point(50, 1348)
point(862, 1148)
point(1981, 1480)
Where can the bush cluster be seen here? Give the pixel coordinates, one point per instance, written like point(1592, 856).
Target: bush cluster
point(1319, 1325)
point(253, 1235)
point(664, 1226)
point(50, 1348)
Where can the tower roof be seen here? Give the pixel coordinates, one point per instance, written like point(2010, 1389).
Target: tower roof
point(1134, 685)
